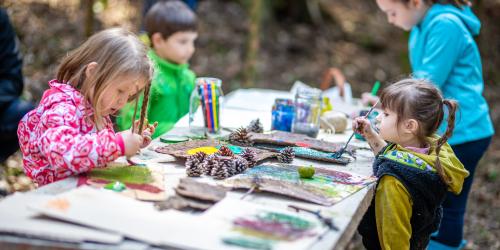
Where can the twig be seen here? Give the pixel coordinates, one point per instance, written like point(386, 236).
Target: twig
point(135, 113)
point(327, 221)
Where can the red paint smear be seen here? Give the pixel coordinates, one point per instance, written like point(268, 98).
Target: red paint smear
point(303, 144)
point(84, 180)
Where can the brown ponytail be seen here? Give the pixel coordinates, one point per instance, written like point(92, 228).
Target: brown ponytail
point(452, 108)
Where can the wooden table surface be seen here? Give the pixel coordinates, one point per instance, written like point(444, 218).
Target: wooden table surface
point(238, 111)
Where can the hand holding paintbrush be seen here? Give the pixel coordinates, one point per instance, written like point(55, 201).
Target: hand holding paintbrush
point(133, 141)
point(363, 126)
point(146, 133)
point(339, 153)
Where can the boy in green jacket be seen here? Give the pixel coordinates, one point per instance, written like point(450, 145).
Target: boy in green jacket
point(171, 27)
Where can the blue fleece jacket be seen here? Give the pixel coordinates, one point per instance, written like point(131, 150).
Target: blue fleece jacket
point(442, 49)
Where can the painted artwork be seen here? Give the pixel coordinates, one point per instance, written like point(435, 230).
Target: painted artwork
point(185, 149)
point(229, 223)
point(307, 153)
point(290, 139)
point(139, 182)
point(326, 187)
point(255, 226)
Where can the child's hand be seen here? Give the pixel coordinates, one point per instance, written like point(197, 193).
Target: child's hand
point(368, 99)
point(147, 133)
point(363, 127)
point(131, 142)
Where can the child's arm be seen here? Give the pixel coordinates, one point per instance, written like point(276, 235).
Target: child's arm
point(68, 149)
point(362, 126)
point(393, 210)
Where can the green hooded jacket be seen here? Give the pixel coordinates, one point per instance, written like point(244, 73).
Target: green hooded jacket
point(169, 96)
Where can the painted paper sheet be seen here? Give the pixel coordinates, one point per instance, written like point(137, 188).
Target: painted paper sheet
point(308, 153)
point(227, 225)
point(254, 226)
point(327, 187)
point(291, 139)
point(150, 187)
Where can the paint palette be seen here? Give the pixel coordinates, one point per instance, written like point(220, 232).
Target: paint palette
point(327, 187)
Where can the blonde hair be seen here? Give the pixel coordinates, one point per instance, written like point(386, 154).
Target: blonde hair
point(117, 52)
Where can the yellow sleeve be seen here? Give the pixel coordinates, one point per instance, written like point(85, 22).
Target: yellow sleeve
point(393, 209)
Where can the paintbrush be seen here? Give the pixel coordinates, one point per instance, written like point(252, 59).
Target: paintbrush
point(256, 181)
point(339, 153)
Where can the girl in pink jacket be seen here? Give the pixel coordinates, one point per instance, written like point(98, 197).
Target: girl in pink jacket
point(70, 131)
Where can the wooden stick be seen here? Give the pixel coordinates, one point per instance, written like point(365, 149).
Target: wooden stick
point(135, 113)
point(144, 107)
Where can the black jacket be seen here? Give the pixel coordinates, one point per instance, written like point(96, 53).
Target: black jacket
point(427, 191)
point(11, 78)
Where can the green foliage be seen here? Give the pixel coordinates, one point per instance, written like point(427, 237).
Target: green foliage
point(492, 175)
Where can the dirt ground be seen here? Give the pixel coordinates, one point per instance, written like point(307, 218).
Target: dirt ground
point(353, 36)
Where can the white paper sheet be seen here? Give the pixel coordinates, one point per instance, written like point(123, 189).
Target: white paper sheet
point(16, 218)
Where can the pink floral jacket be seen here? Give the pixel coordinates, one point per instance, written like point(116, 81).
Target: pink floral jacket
point(59, 139)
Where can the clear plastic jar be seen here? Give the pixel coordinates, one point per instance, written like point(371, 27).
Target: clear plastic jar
point(308, 104)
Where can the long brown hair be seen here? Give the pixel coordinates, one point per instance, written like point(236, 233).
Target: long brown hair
point(117, 52)
point(420, 100)
point(458, 3)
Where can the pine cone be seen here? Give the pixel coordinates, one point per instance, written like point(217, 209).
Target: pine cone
point(224, 169)
point(255, 126)
point(194, 164)
point(250, 156)
point(225, 151)
point(240, 137)
point(286, 155)
point(210, 162)
point(240, 164)
point(194, 170)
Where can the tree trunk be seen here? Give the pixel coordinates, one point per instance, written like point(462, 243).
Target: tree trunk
point(253, 43)
point(89, 17)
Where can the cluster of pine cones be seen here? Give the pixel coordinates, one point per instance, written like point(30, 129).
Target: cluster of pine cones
point(220, 165)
